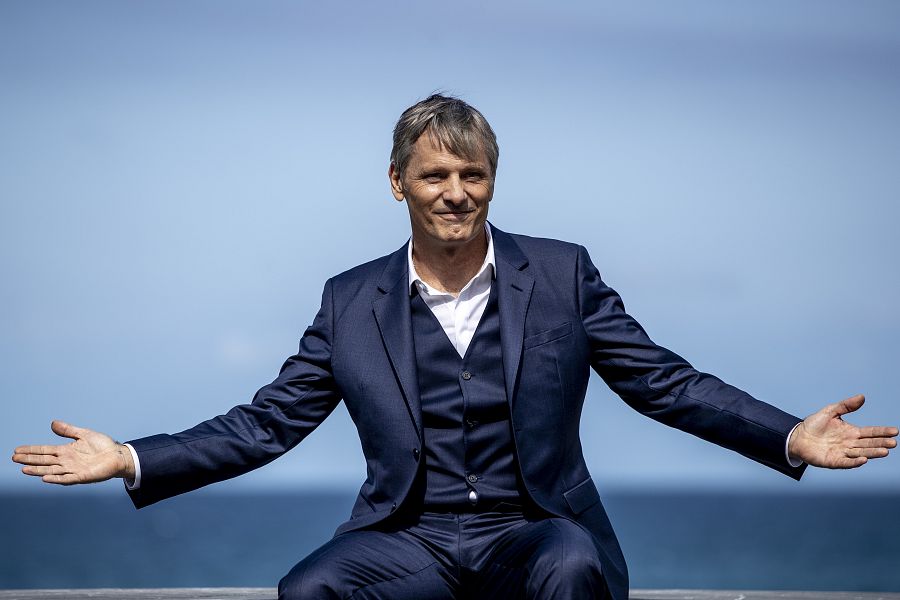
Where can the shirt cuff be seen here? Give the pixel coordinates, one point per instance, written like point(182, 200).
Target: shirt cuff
point(136, 483)
point(787, 455)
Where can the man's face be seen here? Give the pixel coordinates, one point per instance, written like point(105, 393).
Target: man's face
point(447, 195)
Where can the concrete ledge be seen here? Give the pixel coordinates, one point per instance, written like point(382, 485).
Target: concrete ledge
point(145, 594)
point(757, 595)
point(270, 594)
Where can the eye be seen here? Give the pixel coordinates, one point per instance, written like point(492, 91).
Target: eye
point(474, 176)
point(433, 177)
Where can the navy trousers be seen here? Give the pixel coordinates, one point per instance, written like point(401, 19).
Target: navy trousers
point(494, 555)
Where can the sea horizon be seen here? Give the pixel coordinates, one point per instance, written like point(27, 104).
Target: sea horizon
point(672, 537)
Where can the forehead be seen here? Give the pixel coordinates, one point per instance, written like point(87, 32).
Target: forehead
point(430, 150)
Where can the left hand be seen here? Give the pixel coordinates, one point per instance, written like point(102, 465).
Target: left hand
point(824, 439)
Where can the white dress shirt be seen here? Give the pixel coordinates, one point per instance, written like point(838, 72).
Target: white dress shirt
point(459, 315)
point(133, 485)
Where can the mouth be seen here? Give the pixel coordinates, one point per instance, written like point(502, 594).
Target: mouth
point(454, 215)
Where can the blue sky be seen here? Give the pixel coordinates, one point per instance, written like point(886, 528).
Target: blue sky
point(178, 179)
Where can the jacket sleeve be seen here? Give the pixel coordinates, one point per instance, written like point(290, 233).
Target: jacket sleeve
point(250, 435)
point(662, 385)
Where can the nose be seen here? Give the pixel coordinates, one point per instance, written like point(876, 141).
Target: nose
point(454, 191)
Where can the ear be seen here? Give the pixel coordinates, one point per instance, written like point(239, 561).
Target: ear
point(396, 184)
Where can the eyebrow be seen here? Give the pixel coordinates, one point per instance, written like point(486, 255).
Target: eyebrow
point(467, 166)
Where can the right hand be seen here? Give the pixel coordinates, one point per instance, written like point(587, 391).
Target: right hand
point(92, 457)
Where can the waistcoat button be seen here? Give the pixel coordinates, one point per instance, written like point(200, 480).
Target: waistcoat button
point(466, 375)
point(472, 478)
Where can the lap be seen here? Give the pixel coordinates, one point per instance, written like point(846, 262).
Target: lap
point(366, 565)
point(491, 555)
point(545, 558)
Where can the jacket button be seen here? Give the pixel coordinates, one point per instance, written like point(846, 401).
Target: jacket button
point(473, 497)
point(416, 454)
point(393, 507)
point(466, 375)
point(472, 478)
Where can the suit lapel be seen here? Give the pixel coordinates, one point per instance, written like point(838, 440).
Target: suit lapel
point(513, 297)
point(392, 313)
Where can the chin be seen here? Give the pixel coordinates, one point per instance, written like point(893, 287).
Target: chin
point(453, 234)
point(459, 236)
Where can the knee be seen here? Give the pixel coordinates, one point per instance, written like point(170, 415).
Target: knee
point(585, 566)
point(307, 580)
point(568, 567)
point(574, 565)
point(573, 575)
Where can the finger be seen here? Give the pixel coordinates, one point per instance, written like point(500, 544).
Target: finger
point(36, 459)
point(63, 429)
point(878, 432)
point(867, 452)
point(52, 450)
point(67, 479)
point(850, 463)
point(41, 471)
point(875, 443)
point(849, 405)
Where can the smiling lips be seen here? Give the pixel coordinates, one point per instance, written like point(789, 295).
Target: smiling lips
point(455, 214)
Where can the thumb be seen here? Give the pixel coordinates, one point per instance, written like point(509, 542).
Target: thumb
point(849, 405)
point(63, 429)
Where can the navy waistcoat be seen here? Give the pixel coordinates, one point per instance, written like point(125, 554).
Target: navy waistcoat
point(470, 459)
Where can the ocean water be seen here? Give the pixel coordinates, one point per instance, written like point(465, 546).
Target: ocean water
point(671, 539)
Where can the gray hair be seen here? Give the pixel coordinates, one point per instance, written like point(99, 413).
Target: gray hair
point(454, 124)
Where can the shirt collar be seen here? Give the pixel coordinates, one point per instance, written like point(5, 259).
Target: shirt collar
point(487, 264)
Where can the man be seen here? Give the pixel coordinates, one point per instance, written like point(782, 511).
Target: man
point(463, 359)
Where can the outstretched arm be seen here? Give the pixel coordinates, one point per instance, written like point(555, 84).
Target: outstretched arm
point(91, 457)
point(824, 439)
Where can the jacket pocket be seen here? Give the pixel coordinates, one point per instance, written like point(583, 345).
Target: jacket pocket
point(551, 335)
point(582, 496)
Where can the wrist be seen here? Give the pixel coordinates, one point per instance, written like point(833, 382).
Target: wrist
point(126, 462)
point(794, 443)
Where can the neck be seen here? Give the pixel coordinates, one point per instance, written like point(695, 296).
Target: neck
point(449, 268)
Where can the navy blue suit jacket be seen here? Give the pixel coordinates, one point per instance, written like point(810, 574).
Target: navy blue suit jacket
point(558, 320)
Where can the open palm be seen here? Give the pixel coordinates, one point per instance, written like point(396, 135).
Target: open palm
point(824, 439)
point(91, 457)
